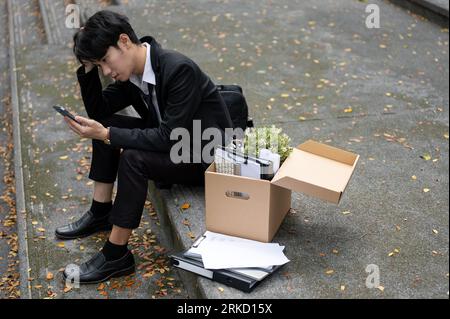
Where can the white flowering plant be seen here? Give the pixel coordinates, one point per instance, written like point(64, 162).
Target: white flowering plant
point(269, 137)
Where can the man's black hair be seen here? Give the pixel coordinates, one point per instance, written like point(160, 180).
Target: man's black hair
point(101, 31)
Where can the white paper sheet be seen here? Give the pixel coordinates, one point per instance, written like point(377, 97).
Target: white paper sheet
point(220, 251)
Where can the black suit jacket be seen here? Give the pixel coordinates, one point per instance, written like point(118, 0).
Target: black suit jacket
point(184, 93)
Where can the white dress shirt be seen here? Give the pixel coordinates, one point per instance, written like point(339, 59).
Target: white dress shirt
point(148, 77)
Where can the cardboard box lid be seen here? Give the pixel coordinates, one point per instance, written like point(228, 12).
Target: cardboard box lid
point(318, 170)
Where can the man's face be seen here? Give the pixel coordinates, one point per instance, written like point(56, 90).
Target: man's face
point(117, 63)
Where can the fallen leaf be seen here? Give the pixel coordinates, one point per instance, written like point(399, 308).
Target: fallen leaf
point(185, 206)
point(220, 289)
point(435, 231)
point(381, 288)
point(49, 276)
point(426, 190)
point(63, 157)
point(346, 213)
point(61, 245)
point(186, 222)
point(329, 272)
point(191, 235)
point(426, 157)
point(348, 110)
point(67, 289)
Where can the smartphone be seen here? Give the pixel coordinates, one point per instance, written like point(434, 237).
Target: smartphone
point(64, 112)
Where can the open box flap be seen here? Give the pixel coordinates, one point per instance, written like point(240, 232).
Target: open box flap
point(317, 169)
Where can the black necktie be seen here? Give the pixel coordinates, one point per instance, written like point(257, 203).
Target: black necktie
point(151, 107)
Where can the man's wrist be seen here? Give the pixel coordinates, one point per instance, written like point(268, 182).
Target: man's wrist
point(106, 139)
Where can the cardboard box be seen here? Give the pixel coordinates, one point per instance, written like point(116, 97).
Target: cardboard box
point(254, 209)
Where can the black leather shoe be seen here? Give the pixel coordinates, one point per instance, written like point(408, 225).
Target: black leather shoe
point(97, 269)
point(85, 226)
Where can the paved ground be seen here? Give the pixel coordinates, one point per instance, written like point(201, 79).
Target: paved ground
point(315, 70)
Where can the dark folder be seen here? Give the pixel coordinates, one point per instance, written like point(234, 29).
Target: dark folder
point(224, 276)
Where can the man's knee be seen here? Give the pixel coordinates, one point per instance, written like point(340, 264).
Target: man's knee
point(131, 159)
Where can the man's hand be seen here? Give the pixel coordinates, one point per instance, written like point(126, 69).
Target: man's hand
point(89, 128)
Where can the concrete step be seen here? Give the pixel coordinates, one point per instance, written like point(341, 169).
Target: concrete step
point(433, 10)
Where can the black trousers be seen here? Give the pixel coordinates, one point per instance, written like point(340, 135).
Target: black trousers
point(133, 168)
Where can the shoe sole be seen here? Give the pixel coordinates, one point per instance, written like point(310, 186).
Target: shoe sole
point(120, 273)
point(82, 236)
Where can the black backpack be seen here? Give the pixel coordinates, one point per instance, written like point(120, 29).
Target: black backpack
point(237, 105)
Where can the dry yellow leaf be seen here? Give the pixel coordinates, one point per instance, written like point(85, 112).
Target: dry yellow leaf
point(40, 229)
point(426, 190)
point(435, 231)
point(342, 287)
point(61, 245)
point(381, 288)
point(329, 272)
point(414, 177)
point(191, 235)
point(346, 213)
point(220, 289)
point(185, 206)
point(348, 110)
point(49, 276)
point(63, 157)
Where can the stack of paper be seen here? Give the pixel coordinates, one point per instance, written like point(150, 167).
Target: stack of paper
point(233, 261)
point(220, 251)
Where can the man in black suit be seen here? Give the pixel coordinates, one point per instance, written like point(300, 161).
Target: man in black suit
point(169, 91)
